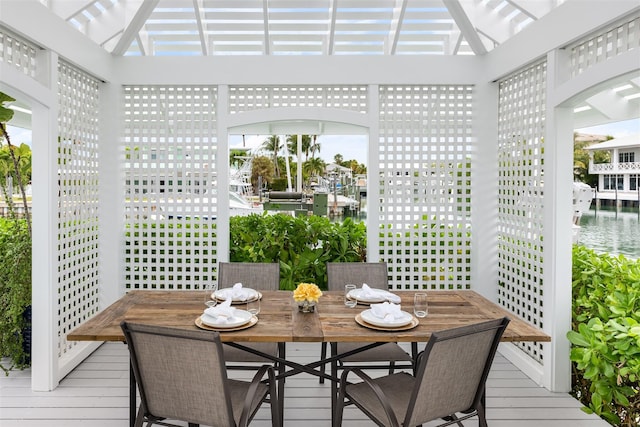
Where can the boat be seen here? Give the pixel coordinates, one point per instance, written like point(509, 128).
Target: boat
point(583, 194)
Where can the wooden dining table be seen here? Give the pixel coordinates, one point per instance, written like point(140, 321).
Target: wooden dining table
point(281, 321)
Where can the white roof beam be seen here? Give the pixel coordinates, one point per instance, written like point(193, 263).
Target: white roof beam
point(107, 25)
point(466, 27)
point(68, 8)
point(396, 24)
point(612, 106)
point(197, 10)
point(267, 41)
point(331, 33)
point(489, 22)
point(534, 9)
point(144, 43)
point(135, 25)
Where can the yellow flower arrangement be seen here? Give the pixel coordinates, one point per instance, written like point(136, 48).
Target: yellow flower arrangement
point(307, 292)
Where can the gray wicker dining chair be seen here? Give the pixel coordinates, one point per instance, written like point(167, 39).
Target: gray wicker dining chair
point(181, 376)
point(374, 274)
point(449, 383)
point(259, 276)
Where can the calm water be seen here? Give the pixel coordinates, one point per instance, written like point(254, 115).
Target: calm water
point(606, 230)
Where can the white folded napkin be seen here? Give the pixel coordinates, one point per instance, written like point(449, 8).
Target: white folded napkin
point(237, 293)
point(223, 312)
point(387, 312)
point(369, 292)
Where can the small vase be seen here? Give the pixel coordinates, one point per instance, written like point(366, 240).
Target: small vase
point(306, 306)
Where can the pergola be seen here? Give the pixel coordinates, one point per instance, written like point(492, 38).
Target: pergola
point(468, 106)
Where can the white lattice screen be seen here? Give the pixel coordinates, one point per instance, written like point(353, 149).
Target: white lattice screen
point(246, 98)
point(521, 127)
point(17, 52)
point(77, 236)
point(425, 185)
point(621, 37)
point(170, 149)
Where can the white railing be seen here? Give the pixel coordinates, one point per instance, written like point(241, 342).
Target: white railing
point(615, 167)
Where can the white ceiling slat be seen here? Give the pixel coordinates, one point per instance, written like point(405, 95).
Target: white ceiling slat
point(466, 27)
point(106, 26)
point(197, 9)
point(334, 26)
point(485, 20)
point(613, 106)
point(137, 22)
point(534, 9)
point(67, 9)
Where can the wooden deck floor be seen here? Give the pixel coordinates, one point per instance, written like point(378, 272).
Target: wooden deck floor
point(96, 394)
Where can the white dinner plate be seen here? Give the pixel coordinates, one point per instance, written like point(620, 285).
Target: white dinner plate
point(221, 295)
point(357, 294)
point(240, 317)
point(369, 317)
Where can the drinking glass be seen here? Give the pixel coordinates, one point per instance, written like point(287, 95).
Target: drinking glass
point(349, 302)
point(253, 306)
point(209, 289)
point(420, 306)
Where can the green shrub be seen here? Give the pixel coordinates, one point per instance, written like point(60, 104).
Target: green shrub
point(302, 245)
point(15, 292)
point(606, 335)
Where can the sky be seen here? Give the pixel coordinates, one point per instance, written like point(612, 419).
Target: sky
point(616, 130)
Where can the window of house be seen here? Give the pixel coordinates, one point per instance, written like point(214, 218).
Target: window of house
point(633, 182)
point(613, 182)
point(626, 157)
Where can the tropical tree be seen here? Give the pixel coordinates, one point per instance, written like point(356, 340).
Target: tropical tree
point(272, 144)
point(234, 159)
point(15, 154)
point(261, 166)
point(292, 145)
point(314, 166)
point(315, 146)
point(581, 161)
point(338, 159)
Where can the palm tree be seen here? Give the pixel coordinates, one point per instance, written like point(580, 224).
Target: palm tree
point(292, 145)
point(315, 146)
point(273, 144)
point(314, 166)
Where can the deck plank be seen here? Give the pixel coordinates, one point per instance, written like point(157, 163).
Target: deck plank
point(96, 393)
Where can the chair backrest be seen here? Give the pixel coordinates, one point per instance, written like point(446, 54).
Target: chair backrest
point(453, 370)
point(180, 374)
point(264, 276)
point(374, 274)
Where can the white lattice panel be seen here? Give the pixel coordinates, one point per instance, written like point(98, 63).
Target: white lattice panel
point(246, 98)
point(425, 185)
point(78, 199)
point(602, 45)
point(170, 182)
point(17, 52)
point(521, 127)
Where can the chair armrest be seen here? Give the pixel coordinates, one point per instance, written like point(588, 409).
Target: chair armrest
point(251, 393)
point(382, 398)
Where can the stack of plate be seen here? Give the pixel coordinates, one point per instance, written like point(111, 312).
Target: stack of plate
point(241, 319)
point(369, 320)
point(379, 295)
point(250, 294)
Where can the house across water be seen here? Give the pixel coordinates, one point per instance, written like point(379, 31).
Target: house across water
point(617, 180)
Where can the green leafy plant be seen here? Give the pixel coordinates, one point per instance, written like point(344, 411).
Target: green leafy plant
point(302, 245)
point(605, 335)
point(15, 269)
